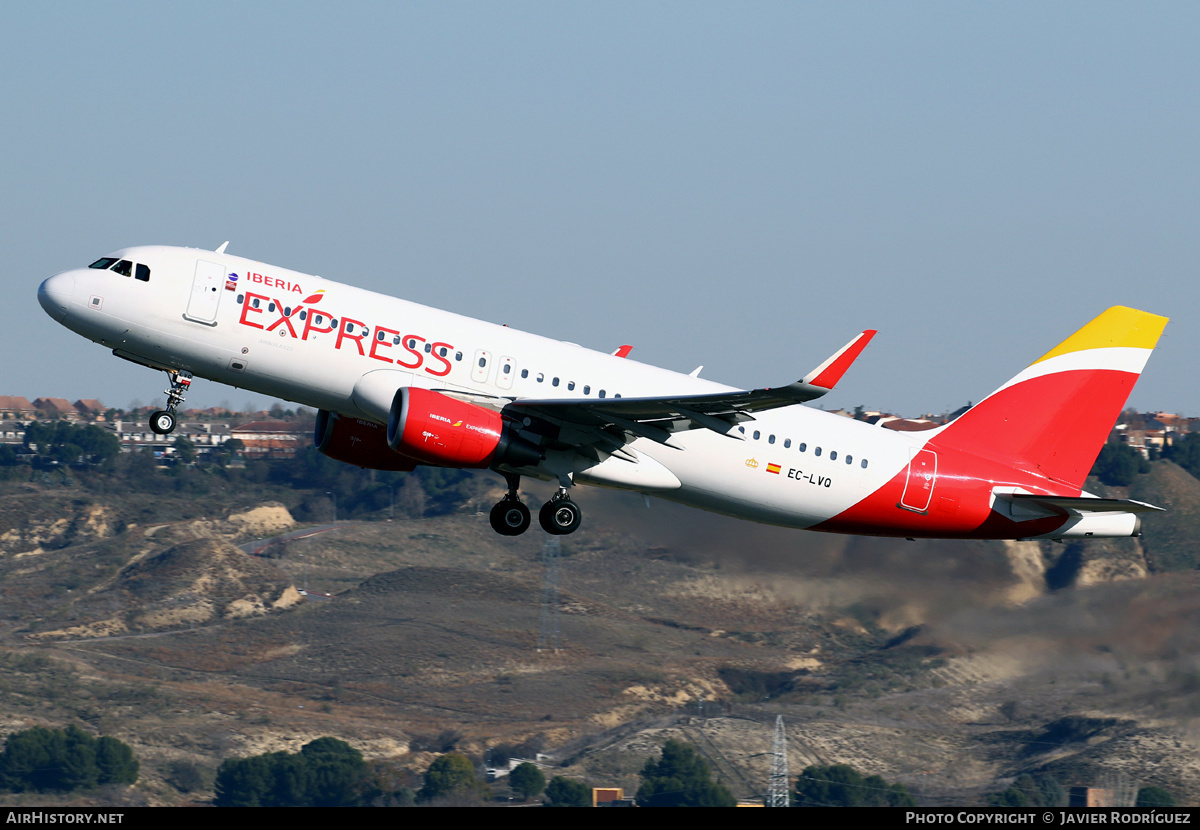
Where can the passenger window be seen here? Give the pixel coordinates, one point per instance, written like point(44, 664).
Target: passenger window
point(381, 335)
point(601, 393)
point(742, 430)
point(442, 351)
point(142, 272)
point(849, 459)
point(833, 455)
point(458, 356)
point(617, 395)
point(540, 377)
point(787, 442)
point(270, 306)
point(303, 315)
point(124, 268)
point(287, 311)
point(482, 362)
point(587, 390)
point(240, 297)
point(756, 434)
point(770, 439)
point(524, 373)
point(255, 302)
point(817, 451)
point(395, 340)
point(554, 382)
point(802, 446)
point(412, 342)
point(570, 386)
point(864, 463)
point(507, 367)
point(429, 348)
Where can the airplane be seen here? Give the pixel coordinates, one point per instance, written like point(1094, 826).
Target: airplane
point(397, 385)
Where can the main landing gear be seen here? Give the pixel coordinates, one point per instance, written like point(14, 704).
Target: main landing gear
point(163, 421)
point(558, 517)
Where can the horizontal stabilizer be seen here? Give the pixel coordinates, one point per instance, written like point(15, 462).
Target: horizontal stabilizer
point(1084, 504)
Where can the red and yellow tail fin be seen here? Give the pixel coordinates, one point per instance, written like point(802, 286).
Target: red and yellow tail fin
point(1054, 417)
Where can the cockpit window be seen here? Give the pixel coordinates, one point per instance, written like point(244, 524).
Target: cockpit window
point(103, 262)
point(124, 268)
point(142, 272)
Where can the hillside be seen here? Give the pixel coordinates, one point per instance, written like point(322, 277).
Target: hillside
point(948, 666)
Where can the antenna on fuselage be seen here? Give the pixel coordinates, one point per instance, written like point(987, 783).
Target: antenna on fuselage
point(224, 245)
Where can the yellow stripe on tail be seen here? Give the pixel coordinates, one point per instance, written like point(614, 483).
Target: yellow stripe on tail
point(1118, 327)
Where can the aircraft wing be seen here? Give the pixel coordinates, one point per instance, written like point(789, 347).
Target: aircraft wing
point(615, 421)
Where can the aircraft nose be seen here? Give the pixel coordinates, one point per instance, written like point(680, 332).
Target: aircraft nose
point(54, 294)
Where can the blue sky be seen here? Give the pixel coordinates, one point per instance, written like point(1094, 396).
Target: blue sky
point(743, 186)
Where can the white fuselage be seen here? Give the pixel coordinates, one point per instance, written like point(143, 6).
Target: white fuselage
point(354, 347)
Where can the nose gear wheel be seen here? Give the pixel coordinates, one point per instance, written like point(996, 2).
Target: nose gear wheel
point(163, 421)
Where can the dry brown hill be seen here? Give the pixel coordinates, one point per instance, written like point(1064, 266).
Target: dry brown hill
point(949, 666)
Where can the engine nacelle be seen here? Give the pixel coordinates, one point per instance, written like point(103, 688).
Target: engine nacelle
point(436, 429)
point(358, 442)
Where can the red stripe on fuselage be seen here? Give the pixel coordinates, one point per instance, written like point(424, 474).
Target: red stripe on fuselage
point(959, 507)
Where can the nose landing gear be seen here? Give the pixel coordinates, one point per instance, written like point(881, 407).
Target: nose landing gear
point(163, 421)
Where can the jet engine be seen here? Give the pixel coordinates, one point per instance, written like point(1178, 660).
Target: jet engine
point(358, 442)
point(436, 429)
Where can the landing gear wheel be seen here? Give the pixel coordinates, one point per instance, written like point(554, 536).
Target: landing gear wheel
point(559, 517)
point(510, 517)
point(162, 422)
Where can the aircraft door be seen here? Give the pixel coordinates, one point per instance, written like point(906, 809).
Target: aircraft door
point(506, 373)
point(206, 292)
point(918, 486)
point(482, 367)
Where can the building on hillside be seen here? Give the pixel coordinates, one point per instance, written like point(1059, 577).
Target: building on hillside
point(90, 408)
point(272, 439)
point(51, 409)
point(16, 408)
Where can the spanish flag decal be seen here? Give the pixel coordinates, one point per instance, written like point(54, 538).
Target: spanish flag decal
point(773, 468)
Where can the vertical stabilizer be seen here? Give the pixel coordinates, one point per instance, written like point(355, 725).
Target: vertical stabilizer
point(1054, 417)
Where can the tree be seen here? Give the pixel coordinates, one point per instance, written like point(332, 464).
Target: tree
point(43, 759)
point(1186, 453)
point(1151, 797)
point(451, 774)
point(336, 773)
point(1119, 464)
point(115, 761)
point(680, 778)
point(1031, 791)
point(527, 780)
point(244, 782)
point(564, 792)
point(841, 785)
point(326, 772)
point(185, 450)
